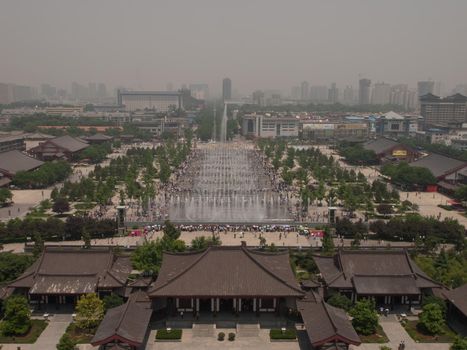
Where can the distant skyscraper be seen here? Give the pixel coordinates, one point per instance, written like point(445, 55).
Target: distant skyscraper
point(48, 91)
point(5, 95)
point(199, 91)
point(92, 90)
point(333, 94)
point(258, 98)
point(381, 94)
point(295, 93)
point(348, 98)
point(304, 91)
point(226, 89)
point(425, 87)
point(319, 93)
point(101, 91)
point(364, 91)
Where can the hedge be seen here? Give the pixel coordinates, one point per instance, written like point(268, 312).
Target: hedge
point(289, 333)
point(174, 334)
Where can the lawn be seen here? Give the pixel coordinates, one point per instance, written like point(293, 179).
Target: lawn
point(288, 334)
point(79, 335)
point(419, 335)
point(378, 337)
point(37, 327)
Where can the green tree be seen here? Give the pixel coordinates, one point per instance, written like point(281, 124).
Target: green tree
point(66, 343)
point(170, 230)
point(17, 316)
point(202, 242)
point(89, 311)
point(38, 247)
point(341, 301)
point(460, 343)
point(13, 265)
point(112, 300)
point(5, 196)
point(365, 317)
point(148, 257)
point(432, 319)
point(328, 243)
point(60, 206)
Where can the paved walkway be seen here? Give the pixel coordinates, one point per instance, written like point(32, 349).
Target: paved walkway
point(49, 338)
point(396, 333)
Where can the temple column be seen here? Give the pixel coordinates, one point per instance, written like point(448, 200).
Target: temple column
point(212, 305)
point(197, 304)
point(254, 304)
point(235, 304)
point(217, 304)
point(239, 304)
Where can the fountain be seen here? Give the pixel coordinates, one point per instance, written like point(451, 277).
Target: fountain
point(227, 182)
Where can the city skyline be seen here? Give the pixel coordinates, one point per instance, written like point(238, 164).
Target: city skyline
point(213, 40)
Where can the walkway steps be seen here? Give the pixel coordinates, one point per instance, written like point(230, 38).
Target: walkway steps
point(248, 330)
point(201, 330)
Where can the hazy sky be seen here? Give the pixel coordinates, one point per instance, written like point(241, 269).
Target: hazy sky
point(257, 43)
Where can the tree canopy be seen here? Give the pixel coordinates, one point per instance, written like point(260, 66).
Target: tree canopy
point(89, 311)
point(17, 316)
point(365, 317)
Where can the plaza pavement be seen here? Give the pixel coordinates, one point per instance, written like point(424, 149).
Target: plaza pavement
point(23, 201)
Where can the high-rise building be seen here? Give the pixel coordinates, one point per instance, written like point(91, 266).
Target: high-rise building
point(349, 97)
point(381, 94)
point(425, 87)
point(448, 111)
point(160, 101)
point(48, 91)
point(226, 89)
point(258, 98)
point(319, 93)
point(101, 91)
point(5, 94)
point(304, 91)
point(295, 93)
point(364, 91)
point(333, 95)
point(199, 91)
point(92, 90)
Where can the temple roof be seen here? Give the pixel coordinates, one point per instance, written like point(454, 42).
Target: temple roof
point(65, 270)
point(458, 297)
point(374, 272)
point(127, 323)
point(13, 161)
point(225, 271)
point(325, 323)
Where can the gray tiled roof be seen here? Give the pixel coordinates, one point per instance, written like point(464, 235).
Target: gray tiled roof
point(325, 323)
point(373, 272)
point(458, 297)
point(226, 271)
point(439, 165)
point(13, 161)
point(380, 145)
point(128, 322)
point(63, 270)
point(69, 143)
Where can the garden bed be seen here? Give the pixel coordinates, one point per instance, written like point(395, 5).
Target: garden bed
point(418, 334)
point(290, 334)
point(37, 327)
point(78, 335)
point(378, 337)
point(172, 335)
